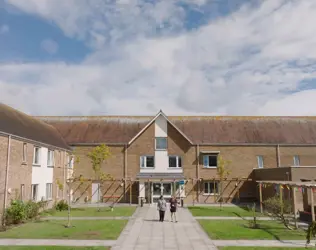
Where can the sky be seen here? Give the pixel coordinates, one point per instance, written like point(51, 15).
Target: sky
point(135, 57)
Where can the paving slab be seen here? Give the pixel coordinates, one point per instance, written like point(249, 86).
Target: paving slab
point(144, 231)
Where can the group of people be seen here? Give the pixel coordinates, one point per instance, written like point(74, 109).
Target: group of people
point(162, 207)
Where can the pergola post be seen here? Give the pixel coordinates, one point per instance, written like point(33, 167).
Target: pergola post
point(281, 198)
point(294, 205)
point(312, 204)
point(130, 192)
point(260, 196)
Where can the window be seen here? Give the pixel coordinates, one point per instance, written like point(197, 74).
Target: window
point(49, 191)
point(296, 160)
point(50, 158)
point(175, 162)
point(34, 191)
point(210, 161)
point(22, 192)
point(36, 157)
point(24, 152)
point(260, 161)
point(161, 143)
point(147, 161)
point(210, 187)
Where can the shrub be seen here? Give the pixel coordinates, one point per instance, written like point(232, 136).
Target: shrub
point(61, 205)
point(32, 209)
point(16, 213)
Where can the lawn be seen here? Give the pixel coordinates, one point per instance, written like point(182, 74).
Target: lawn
point(261, 248)
point(93, 212)
point(225, 211)
point(232, 230)
point(51, 248)
point(55, 229)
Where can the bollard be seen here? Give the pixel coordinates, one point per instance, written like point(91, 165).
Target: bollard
point(141, 202)
point(181, 202)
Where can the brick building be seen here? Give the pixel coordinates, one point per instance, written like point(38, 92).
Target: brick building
point(33, 156)
point(165, 155)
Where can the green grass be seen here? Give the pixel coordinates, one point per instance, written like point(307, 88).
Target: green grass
point(225, 211)
point(55, 229)
point(261, 248)
point(232, 230)
point(51, 248)
point(93, 212)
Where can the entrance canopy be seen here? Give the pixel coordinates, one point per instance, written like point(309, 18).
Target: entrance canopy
point(161, 176)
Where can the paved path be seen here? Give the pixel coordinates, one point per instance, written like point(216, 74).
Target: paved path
point(53, 242)
point(145, 232)
point(230, 218)
point(262, 243)
point(85, 218)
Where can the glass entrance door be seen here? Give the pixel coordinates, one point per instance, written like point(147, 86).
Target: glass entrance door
point(164, 189)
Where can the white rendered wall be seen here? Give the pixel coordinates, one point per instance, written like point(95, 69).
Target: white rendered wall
point(141, 189)
point(41, 174)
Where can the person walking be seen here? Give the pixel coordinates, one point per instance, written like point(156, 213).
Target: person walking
point(173, 208)
point(161, 206)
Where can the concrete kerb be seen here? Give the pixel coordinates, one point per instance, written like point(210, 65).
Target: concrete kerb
point(54, 242)
point(85, 218)
point(262, 243)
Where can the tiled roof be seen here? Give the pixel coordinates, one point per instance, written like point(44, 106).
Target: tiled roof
point(19, 124)
point(203, 129)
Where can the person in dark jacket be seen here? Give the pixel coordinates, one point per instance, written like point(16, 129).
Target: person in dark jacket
point(173, 208)
point(162, 207)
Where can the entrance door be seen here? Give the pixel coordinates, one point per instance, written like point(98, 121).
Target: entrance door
point(95, 192)
point(159, 189)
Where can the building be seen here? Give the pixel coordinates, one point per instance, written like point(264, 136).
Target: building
point(166, 155)
point(33, 159)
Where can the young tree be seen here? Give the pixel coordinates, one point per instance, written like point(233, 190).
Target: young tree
point(97, 156)
point(222, 172)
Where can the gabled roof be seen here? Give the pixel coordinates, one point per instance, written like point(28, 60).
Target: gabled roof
point(160, 113)
point(198, 129)
point(21, 125)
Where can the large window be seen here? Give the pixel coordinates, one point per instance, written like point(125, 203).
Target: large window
point(24, 152)
point(296, 160)
point(147, 161)
point(34, 192)
point(50, 158)
point(161, 143)
point(175, 162)
point(36, 156)
point(210, 187)
point(49, 191)
point(210, 161)
point(260, 161)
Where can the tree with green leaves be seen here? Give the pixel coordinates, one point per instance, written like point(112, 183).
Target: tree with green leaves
point(97, 156)
point(222, 172)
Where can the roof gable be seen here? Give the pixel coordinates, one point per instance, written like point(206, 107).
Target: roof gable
point(160, 113)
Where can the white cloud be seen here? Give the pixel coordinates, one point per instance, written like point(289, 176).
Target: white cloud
point(50, 46)
point(4, 29)
point(246, 63)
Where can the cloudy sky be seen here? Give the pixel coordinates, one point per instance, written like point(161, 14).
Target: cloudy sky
point(135, 57)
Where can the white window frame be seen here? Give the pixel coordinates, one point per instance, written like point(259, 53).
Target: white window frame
point(24, 156)
point(296, 160)
point(32, 193)
point(159, 138)
point(143, 159)
point(206, 160)
point(178, 160)
point(49, 191)
point(260, 161)
point(39, 156)
point(209, 184)
point(50, 156)
point(22, 190)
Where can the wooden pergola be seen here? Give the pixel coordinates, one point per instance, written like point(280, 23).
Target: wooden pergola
point(291, 185)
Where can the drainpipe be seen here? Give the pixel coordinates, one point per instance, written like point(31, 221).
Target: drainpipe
point(278, 155)
point(6, 179)
point(198, 172)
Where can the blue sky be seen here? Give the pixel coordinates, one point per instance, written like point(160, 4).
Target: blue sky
point(95, 57)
